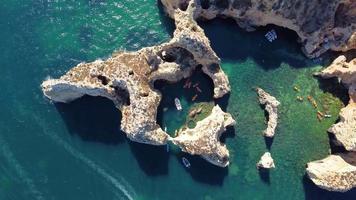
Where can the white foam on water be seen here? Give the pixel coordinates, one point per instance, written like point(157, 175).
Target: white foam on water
point(117, 181)
point(9, 156)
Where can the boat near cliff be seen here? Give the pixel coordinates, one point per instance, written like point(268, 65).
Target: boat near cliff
point(178, 104)
point(186, 162)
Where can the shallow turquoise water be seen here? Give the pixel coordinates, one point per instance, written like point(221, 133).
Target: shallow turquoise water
point(76, 151)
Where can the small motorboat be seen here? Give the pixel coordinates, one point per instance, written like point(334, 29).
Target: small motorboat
point(178, 104)
point(165, 129)
point(185, 162)
point(167, 148)
point(327, 115)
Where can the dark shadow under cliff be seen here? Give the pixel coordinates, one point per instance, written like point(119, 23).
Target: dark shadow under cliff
point(313, 192)
point(94, 119)
point(233, 43)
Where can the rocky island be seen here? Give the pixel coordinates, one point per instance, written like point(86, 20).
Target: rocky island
point(271, 106)
point(203, 139)
point(266, 162)
point(127, 79)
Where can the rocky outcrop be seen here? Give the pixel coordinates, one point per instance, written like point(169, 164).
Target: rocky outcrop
point(127, 78)
point(320, 25)
point(203, 139)
point(266, 162)
point(271, 106)
point(345, 130)
point(338, 172)
point(335, 172)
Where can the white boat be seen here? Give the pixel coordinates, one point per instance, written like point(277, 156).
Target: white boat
point(165, 129)
point(178, 104)
point(186, 162)
point(271, 35)
point(327, 116)
point(167, 148)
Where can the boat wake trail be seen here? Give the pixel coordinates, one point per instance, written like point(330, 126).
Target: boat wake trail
point(117, 181)
point(9, 156)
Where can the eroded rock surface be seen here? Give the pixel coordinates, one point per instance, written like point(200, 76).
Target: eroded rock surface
point(271, 106)
point(320, 25)
point(345, 130)
point(127, 78)
point(266, 161)
point(335, 172)
point(203, 139)
point(338, 172)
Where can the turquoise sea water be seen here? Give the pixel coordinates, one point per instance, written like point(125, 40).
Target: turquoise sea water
point(76, 151)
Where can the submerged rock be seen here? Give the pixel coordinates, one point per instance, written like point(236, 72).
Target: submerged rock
point(127, 78)
point(335, 172)
point(266, 161)
point(203, 139)
point(271, 106)
point(320, 25)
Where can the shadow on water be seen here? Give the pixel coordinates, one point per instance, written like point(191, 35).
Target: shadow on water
point(203, 171)
point(229, 133)
point(153, 160)
point(334, 87)
point(313, 192)
point(167, 22)
point(167, 110)
point(265, 175)
point(94, 119)
point(269, 142)
point(233, 43)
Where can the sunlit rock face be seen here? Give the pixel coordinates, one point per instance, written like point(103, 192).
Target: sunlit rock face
point(320, 25)
point(338, 172)
point(266, 161)
point(335, 172)
point(345, 129)
point(127, 78)
point(203, 139)
point(271, 106)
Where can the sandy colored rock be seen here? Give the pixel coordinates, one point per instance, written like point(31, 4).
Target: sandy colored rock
point(345, 130)
point(266, 161)
point(127, 78)
point(203, 139)
point(271, 106)
point(335, 172)
point(320, 25)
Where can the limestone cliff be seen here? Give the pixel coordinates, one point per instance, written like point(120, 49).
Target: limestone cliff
point(271, 106)
point(338, 172)
point(335, 172)
point(345, 130)
point(127, 78)
point(320, 25)
point(203, 139)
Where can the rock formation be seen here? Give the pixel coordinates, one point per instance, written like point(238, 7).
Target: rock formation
point(266, 162)
point(203, 139)
point(335, 172)
point(345, 130)
point(320, 25)
point(127, 78)
point(271, 106)
point(338, 172)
